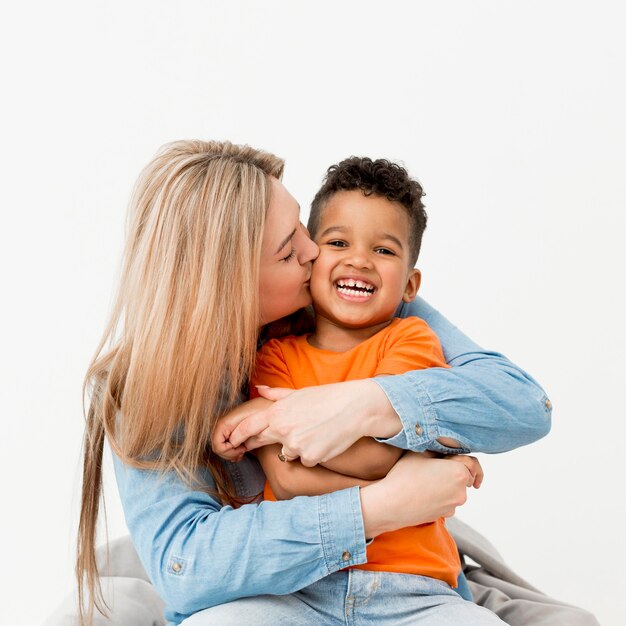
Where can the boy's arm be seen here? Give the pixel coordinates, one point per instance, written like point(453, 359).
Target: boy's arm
point(290, 479)
point(366, 458)
point(411, 345)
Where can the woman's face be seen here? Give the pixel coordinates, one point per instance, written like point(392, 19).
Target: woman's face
point(287, 254)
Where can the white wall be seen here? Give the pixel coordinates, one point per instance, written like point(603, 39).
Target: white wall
point(511, 114)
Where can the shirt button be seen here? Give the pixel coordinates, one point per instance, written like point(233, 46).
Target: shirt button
point(418, 430)
point(346, 556)
point(176, 567)
point(548, 404)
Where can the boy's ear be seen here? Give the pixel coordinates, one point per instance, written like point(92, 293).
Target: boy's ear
point(412, 285)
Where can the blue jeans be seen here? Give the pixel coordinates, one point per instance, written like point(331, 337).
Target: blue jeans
point(354, 597)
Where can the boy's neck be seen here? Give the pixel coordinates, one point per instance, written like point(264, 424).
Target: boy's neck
point(329, 335)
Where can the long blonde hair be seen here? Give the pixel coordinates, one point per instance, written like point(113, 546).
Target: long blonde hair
point(182, 336)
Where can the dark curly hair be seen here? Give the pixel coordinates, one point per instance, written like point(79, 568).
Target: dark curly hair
point(380, 178)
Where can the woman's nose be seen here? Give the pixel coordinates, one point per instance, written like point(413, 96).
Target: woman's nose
point(310, 250)
point(313, 251)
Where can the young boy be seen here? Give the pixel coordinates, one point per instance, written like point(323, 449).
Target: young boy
point(368, 220)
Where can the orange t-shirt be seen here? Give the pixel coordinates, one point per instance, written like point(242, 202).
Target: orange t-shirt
point(406, 344)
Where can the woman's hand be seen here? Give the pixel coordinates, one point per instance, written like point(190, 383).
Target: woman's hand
point(220, 439)
point(418, 489)
point(318, 423)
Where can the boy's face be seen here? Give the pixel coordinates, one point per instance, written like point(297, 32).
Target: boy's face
point(362, 271)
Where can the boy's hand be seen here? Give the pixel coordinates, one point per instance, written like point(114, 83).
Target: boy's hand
point(472, 464)
point(473, 467)
point(220, 438)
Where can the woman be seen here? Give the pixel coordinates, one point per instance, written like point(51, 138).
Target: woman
point(215, 251)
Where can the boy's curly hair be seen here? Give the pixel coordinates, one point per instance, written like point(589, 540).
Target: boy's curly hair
point(381, 178)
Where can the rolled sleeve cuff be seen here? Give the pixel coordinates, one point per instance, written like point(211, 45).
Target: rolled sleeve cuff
point(341, 524)
point(420, 427)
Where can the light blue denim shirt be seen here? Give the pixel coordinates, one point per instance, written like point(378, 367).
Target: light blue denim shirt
point(199, 553)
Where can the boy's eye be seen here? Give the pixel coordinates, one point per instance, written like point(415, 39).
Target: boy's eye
point(337, 243)
point(385, 251)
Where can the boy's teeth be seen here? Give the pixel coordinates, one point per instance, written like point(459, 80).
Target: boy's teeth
point(354, 283)
point(353, 292)
point(353, 287)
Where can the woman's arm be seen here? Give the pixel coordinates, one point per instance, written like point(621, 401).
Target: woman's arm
point(484, 402)
point(366, 459)
point(199, 553)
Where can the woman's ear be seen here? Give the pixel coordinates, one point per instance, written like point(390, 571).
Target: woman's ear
point(412, 285)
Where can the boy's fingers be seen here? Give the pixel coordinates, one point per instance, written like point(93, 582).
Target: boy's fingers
point(230, 453)
point(476, 471)
point(473, 466)
point(479, 479)
point(221, 441)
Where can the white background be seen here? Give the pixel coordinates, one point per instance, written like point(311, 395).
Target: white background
point(513, 116)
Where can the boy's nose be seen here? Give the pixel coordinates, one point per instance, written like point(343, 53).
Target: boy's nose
point(358, 259)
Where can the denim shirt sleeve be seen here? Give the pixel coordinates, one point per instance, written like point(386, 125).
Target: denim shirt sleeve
point(484, 401)
point(199, 553)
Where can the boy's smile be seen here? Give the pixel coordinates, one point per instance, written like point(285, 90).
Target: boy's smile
point(362, 272)
point(356, 290)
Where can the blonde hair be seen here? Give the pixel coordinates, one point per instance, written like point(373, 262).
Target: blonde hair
point(182, 336)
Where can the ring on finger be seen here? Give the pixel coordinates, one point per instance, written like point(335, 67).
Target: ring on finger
point(284, 458)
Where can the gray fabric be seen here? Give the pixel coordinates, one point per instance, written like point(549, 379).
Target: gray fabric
point(120, 559)
point(497, 587)
point(131, 598)
point(134, 602)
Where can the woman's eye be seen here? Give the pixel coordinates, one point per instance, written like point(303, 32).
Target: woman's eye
point(290, 255)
